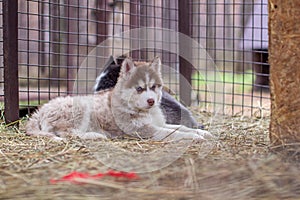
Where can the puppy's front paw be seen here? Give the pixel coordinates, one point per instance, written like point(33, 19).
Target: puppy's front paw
point(205, 134)
point(195, 137)
point(192, 136)
point(92, 135)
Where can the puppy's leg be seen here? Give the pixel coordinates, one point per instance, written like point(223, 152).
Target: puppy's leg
point(53, 135)
point(203, 133)
point(166, 134)
point(92, 135)
point(174, 134)
point(82, 135)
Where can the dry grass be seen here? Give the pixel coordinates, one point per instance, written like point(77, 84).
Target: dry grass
point(239, 165)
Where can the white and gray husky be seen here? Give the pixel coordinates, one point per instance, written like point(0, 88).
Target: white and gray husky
point(174, 111)
point(132, 107)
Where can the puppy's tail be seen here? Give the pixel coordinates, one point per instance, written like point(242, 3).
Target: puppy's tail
point(33, 127)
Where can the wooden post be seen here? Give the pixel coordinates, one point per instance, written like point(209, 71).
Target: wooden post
point(185, 68)
point(102, 19)
point(71, 12)
point(284, 23)
point(10, 50)
point(54, 41)
point(134, 23)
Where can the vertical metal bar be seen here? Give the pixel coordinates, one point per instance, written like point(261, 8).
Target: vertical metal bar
point(50, 18)
point(70, 11)
point(143, 23)
point(211, 26)
point(102, 18)
point(185, 68)
point(42, 37)
point(134, 23)
point(27, 47)
point(10, 50)
point(40, 47)
point(54, 12)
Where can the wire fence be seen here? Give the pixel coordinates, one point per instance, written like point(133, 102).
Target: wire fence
point(55, 38)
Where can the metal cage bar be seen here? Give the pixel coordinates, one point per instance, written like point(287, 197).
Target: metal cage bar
point(10, 50)
point(185, 68)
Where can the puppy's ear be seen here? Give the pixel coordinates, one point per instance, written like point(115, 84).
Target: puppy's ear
point(156, 64)
point(127, 66)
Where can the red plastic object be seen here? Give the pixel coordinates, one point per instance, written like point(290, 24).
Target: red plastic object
point(71, 177)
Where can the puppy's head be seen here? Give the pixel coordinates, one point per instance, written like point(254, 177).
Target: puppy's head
point(140, 83)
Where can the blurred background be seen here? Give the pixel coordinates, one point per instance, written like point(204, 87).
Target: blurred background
point(55, 37)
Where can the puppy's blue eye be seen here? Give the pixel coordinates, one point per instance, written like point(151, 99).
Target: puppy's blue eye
point(139, 89)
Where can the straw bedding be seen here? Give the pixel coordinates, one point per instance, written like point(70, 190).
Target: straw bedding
point(240, 164)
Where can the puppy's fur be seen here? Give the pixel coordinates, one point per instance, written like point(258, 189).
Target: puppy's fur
point(173, 110)
point(132, 108)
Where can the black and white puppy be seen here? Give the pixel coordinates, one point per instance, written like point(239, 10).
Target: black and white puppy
point(174, 111)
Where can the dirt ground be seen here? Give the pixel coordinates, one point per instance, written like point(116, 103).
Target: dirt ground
point(238, 164)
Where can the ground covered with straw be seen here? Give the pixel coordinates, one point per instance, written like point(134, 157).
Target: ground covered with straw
point(239, 164)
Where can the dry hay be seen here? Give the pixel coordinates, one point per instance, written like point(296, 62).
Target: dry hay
point(239, 166)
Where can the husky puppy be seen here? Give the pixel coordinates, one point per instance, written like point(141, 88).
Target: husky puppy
point(174, 111)
point(132, 108)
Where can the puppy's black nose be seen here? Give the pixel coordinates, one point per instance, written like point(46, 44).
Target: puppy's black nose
point(150, 102)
